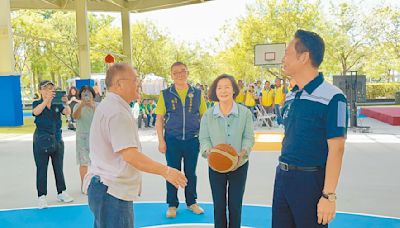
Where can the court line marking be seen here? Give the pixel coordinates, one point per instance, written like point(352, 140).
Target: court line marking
point(162, 202)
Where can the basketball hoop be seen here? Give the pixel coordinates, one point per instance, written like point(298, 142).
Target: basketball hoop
point(269, 55)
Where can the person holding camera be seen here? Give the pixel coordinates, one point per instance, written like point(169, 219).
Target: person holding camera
point(83, 114)
point(48, 143)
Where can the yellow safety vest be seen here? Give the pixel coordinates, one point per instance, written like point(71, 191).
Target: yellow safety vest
point(249, 102)
point(267, 97)
point(240, 96)
point(279, 95)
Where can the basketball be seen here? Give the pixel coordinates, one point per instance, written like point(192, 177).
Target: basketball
point(223, 158)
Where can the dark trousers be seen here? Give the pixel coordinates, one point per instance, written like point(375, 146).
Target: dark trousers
point(142, 118)
point(42, 162)
point(235, 183)
point(188, 151)
point(154, 116)
point(108, 211)
point(148, 120)
point(296, 195)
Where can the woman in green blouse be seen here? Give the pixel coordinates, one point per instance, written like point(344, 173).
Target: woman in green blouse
point(229, 123)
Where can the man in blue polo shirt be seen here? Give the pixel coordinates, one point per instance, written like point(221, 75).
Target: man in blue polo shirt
point(315, 123)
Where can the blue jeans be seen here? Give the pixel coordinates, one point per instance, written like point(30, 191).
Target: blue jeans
point(108, 211)
point(296, 195)
point(278, 114)
point(235, 183)
point(188, 150)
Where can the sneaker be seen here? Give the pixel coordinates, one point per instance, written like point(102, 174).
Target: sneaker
point(42, 202)
point(195, 208)
point(64, 197)
point(171, 212)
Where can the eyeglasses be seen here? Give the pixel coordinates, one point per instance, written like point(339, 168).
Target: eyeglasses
point(47, 87)
point(180, 73)
point(129, 79)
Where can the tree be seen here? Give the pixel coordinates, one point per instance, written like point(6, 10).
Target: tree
point(384, 36)
point(267, 21)
point(345, 38)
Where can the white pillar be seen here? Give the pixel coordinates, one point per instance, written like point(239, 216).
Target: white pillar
point(7, 62)
point(83, 38)
point(126, 36)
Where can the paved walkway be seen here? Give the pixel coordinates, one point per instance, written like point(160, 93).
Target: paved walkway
point(369, 181)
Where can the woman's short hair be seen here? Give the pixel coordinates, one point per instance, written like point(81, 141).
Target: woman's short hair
point(212, 92)
point(86, 87)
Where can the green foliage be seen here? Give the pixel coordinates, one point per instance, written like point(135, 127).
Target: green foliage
point(382, 90)
point(45, 43)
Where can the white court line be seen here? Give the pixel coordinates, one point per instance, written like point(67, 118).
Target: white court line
point(202, 202)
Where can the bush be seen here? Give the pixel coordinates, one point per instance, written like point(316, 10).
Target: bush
point(155, 97)
point(382, 90)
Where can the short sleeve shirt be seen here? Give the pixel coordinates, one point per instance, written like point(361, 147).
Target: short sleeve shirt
point(85, 120)
point(161, 109)
point(113, 129)
point(311, 117)
point(49, 120)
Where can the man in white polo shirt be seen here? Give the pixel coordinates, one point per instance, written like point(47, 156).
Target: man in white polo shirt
point(114, 180)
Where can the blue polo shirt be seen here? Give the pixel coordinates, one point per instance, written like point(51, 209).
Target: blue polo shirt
point(49, 121)
point(311, 116)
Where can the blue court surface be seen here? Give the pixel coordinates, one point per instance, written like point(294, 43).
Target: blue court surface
point(148, 214)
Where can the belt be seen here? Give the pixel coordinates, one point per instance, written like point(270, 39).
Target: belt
point(286, 167)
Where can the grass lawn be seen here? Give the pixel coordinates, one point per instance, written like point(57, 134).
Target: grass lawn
point(27, 128)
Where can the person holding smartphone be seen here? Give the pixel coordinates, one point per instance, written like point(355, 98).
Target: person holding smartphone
point(83, 114)
point(48, 143)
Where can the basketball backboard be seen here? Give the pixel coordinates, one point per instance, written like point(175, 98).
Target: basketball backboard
point(269, 54)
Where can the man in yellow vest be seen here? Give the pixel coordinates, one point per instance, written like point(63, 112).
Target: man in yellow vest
point(280, 95)
point(240, 97)
point(267, 97)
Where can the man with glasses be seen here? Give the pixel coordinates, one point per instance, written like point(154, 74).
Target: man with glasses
point(179, 111)
point(114, 180)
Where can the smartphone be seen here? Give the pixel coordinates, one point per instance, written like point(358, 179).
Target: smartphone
point(57, 98)
point(86, 96)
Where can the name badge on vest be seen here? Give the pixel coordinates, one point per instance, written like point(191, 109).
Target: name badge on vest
point(190, 95)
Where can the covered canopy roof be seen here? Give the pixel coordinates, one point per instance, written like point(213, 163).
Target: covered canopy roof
point(135, 6)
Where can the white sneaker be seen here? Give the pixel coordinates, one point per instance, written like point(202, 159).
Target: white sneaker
point(64, 197)
point(42, 202)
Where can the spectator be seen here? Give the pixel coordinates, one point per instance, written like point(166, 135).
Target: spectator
point(72, 101)
point(48, 143)
point(83, 114)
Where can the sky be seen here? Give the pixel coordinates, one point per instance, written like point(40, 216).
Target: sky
point(203, 22)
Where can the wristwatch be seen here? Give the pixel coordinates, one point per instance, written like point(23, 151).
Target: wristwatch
point(329, 196)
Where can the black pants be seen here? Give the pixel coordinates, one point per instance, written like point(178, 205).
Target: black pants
point(42, 162)
point(228, 185)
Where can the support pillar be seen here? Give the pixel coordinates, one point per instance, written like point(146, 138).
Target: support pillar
point(126, 36)
point(82, 33)
point(10, 83)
